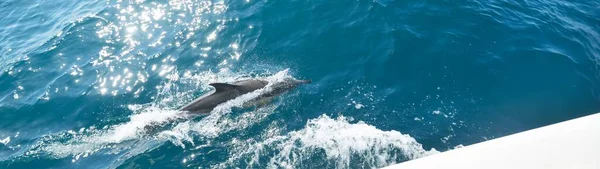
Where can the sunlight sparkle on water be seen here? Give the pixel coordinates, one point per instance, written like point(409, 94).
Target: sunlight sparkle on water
point(212, 36)
point(140, 27)
point(131, 29)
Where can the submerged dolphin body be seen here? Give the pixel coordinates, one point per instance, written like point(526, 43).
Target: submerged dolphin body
point(224, 92)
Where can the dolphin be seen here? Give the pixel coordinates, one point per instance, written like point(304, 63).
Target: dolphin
point(227, 91)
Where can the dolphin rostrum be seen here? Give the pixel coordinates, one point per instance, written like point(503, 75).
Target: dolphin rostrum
point(224, 92)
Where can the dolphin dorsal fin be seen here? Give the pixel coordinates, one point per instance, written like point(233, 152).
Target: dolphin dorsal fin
point(223, 86)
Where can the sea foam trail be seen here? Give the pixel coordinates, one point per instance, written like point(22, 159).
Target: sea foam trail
point(113, 139)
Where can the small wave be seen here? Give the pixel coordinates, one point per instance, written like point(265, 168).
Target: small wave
point(338, 140)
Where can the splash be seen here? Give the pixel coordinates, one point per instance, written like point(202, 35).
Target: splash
point(340, 142)
point(113, 138)
point(5, 141)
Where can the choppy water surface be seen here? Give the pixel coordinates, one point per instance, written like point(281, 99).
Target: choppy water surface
point(392, 80)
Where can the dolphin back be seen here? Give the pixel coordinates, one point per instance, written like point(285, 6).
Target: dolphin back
point(223, 92)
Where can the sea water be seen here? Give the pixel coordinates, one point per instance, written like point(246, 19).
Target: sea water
point(392, 80)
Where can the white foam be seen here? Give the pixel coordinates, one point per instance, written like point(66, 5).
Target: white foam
point(135, 126)
point(113, 138)
point(359, 106)
point(5, 141)
point(341, 142)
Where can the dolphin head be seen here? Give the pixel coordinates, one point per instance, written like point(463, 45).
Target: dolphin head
point(299, 82)
point(292, 83)
point(287, 84)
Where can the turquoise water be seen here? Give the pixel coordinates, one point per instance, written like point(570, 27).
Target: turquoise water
point(392, 80)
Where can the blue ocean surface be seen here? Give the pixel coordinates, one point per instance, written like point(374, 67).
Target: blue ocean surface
point(393, 80)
